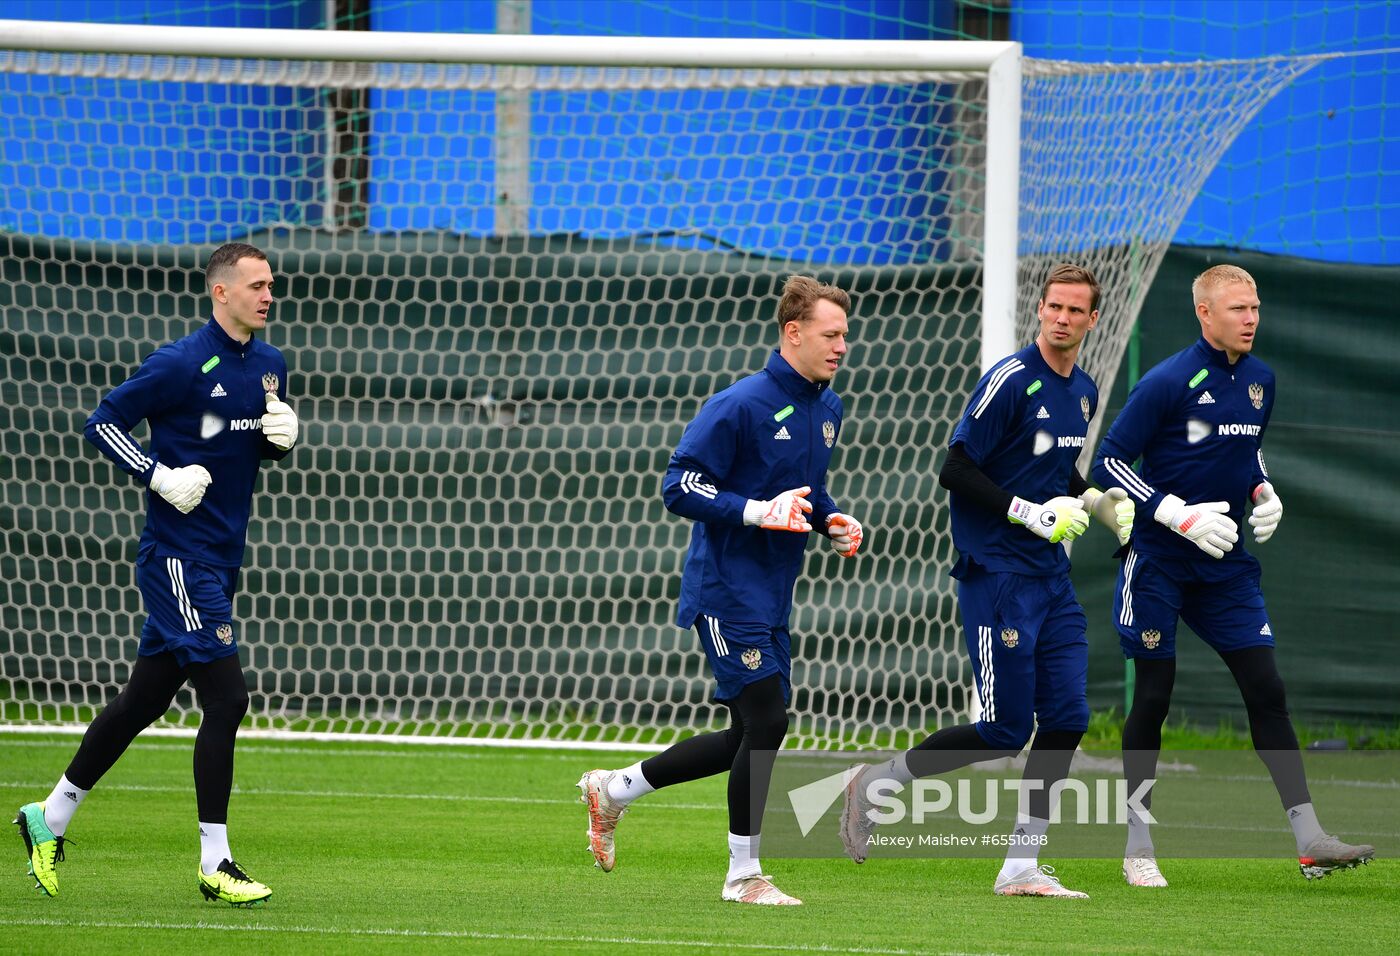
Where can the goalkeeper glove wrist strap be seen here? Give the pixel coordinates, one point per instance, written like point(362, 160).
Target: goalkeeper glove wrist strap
point(1021, 511)
point(1167, 509)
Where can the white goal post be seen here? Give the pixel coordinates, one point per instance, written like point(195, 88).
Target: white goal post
point(999, 62)
point(512, 269)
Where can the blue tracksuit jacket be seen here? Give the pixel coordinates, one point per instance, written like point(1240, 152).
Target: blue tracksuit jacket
point(1024, 427)
point(204, 398)
point(1198, 424)
point(765, 434)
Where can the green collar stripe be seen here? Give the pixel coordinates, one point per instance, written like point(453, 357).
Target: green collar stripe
point(1034, 387)
point(209, 364)
point(1199, 378)
point(782, 413)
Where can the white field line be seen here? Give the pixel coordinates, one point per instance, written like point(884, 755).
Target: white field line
point(352, 795)
point(256, 734)
point(262, 747)
point(37, 786)
point(470, 934)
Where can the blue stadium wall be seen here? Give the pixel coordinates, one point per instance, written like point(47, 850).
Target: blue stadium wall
point(1275, 191)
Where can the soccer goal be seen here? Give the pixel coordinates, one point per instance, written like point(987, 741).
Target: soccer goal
point(511, 269)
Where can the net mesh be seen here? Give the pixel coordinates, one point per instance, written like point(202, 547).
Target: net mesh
point(504, 293)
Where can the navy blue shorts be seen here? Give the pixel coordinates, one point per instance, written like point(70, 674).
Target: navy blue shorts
point(741, 654)
point(1227, 610)
point(1030, 653)
point(189, 609)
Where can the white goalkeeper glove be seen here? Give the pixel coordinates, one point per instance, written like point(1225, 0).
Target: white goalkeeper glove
point(1207, 525)
point(846, 534)
point(182, 487)
point(1059, 519)
point(1113, 508)
point(279, 424)
point(1268, 512)
point(787, 512)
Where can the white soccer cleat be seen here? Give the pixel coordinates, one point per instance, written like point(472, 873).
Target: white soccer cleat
point(856, 825)
point(603, 814)
point(1036, 881)
point(758, 890)
point(1327, 853)
point(1143, 871)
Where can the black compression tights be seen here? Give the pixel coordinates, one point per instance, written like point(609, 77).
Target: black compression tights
point(147, 695)
point(1256, 674)
point(758, 722)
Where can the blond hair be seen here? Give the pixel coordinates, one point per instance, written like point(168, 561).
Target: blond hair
point(801, 293)
point(1216, 278)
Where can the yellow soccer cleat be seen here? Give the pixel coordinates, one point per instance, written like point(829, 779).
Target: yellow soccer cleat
point(231, 885)
point(41, 846)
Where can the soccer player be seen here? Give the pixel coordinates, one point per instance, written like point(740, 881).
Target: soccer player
point(750, 472)
point(1197, 421)
point(214, 401)
point(1015, 495)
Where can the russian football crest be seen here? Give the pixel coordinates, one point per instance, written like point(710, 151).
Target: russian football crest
point(1009, 637)
point(270, 383)
point(1256, 395)
point(829, 433)
point(752, 658)
point(1151, 638)
point(225, 633)
point(1084, 406)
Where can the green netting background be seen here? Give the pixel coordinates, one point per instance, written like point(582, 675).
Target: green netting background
point(1333, 447)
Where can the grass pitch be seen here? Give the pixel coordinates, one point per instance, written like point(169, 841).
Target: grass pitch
point(417, 849)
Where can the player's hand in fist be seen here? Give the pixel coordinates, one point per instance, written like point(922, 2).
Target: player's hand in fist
point(1268, 512)
point(787, 512)
point(1113, 508)
point(182, 487)
point(846, 534)
point(279, 423)
point(1207, 525)
point(1059, 519)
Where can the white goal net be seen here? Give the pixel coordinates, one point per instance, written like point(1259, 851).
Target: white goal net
point(503, 292)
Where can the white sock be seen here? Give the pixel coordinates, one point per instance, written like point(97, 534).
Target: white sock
point(628, 784)
point(213, 846)
point(1024, 850)
point(1303, 819)
point(896, 769)
point(743, 857)
point(62, 804)
point(1139, 838)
